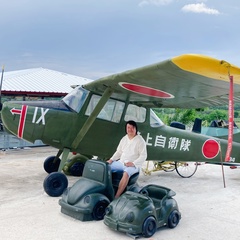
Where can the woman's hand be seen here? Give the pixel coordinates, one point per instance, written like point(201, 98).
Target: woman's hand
point(129, 164)
point(110, 161)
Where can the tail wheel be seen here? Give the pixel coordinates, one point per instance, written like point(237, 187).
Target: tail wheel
point(55, 184)
point(149, 227)
point(51, 164)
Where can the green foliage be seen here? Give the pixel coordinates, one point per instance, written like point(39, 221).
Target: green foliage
point(187, 116)
point(215, 115)
point(178, 115)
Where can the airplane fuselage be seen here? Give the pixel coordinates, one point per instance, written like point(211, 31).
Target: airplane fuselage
point(57, 125)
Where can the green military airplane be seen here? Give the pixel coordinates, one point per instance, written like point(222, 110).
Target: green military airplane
point(91, 119)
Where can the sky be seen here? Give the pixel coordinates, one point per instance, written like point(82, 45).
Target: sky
point(96, 38)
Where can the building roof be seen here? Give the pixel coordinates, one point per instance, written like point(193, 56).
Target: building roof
point(40, 81)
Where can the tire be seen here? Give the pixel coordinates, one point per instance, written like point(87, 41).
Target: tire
point(186, 169)
point(77, 169)
point(173, 219)
point(99, 210)
point(149, 227)
point(51, 166)
point(55, 184)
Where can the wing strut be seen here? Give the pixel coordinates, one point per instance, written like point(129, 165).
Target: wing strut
point(106, 95)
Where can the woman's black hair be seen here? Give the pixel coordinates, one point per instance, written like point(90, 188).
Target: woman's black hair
point(133, 123)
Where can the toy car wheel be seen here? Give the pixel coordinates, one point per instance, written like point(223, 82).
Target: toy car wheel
point(149, 227)
point(50, 165)
point(99, 210)
point(55, 184)
point(173, 219)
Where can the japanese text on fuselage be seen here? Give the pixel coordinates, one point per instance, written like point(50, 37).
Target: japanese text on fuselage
point(170, 143)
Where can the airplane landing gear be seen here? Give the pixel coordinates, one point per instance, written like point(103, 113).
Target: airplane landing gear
point(51, 164)
point(75, 164)
point(55, 184)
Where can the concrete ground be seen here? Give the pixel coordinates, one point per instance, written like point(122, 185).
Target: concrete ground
point(209, 211)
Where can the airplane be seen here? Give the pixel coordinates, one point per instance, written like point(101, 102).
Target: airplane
point(91, 119)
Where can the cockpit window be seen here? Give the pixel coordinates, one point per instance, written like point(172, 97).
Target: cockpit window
point(154, 120)
point(135, 113)
point(112, 110)
point(76, 98)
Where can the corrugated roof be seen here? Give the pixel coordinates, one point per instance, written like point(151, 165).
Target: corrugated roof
point(40, 80)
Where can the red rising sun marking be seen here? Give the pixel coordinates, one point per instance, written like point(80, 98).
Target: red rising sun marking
point(145, 90)
point(210, 148)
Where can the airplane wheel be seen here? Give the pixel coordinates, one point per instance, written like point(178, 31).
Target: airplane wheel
point(50, 165)
point(149, 227)
point(55, 184)
point(186, 169)
point(173, 219)
point(77, 169)
point(99, 210)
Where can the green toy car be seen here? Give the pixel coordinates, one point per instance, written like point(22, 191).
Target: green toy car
point(89, 196)
point(142, 213)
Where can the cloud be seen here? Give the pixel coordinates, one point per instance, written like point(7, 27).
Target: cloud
point(200, 8)
point(154, 2)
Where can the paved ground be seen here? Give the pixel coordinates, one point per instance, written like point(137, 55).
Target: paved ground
point(209, 211)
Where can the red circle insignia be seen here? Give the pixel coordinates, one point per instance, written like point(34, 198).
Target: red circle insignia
point(152, 92)
point(210, 148)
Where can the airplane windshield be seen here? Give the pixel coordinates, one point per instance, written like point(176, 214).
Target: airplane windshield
point(155, 121)
point(76, 98)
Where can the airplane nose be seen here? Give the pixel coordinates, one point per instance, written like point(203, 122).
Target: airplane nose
point(10, 120)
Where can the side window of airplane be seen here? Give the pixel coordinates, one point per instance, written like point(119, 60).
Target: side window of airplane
point(135, 113)
point(112, 111)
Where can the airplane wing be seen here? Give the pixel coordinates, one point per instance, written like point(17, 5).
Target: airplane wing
point(186, 81)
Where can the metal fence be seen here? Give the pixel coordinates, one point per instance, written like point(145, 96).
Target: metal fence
point(9, 141)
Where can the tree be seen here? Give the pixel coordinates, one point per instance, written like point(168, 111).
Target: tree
point(187, 116)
